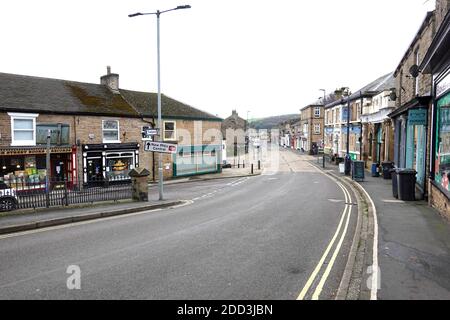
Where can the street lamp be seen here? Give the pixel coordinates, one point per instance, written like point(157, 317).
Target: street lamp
point(158, 13)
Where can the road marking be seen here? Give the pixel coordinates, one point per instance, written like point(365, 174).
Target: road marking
point(76, 224)
point(325, 254)
point(325, 275)
point(375, 266)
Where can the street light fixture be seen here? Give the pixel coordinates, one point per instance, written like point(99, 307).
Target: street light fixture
point(158, 13)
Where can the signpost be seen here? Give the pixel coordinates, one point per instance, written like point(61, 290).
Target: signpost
point(154, 146)
point(148, 133)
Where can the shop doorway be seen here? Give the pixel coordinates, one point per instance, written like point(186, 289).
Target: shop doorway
point(94, 169)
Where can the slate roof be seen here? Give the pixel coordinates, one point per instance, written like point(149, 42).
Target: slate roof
point(383, 83)
point(147, 104)
point(20, 93)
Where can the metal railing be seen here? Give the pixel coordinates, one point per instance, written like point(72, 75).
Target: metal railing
point(39, 194)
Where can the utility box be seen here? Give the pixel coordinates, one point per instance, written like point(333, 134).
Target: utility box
point(139, 181)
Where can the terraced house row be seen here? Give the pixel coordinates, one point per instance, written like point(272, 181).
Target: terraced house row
point(402, 117)
point(97, 131)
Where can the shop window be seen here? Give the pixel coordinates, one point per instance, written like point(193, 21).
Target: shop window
point(23, 129)
point(110, 131)
point(59, 133)
point(442, 156)
point(118, 165)
point(169, 130)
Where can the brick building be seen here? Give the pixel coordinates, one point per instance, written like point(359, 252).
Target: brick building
point(96, 131)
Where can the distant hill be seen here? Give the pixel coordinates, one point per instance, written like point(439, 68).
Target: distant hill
point(271, 122)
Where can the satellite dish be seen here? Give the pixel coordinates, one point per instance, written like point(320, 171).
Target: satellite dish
point(393, 95)
point(414, 71)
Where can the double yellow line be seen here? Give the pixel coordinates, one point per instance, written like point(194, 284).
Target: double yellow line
point(345, 217)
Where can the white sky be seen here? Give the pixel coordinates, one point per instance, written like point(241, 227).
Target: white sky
point(263, 56)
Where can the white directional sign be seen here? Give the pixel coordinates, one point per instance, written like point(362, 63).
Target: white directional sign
point(161, 147)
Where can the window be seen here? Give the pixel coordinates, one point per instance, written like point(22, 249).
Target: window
point(169, 130)
point(118, 165)
point(59, 133)
point(317, 128)
point(317, 112)
point(23, 129)
point(111, 131)
point(442, 156)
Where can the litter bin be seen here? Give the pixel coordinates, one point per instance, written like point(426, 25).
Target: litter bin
point(394, 182)
point(387, 167)
point(407, 184)
point(375, 172)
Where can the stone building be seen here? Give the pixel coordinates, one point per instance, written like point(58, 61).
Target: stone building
point(96, 131)
point(235, 133)
point(377, 134)
point(412, 117)
point(436, 63)
point(312, 128)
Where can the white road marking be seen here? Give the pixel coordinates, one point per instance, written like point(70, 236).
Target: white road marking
point(375, 266)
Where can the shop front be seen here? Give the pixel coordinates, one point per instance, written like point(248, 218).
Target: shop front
point(109, 162)
point(410, 140)
point(354, 141)
point(26, 167)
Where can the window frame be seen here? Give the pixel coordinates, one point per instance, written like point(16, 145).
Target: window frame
point(317, 114)
point(174, 130)
point(23, 116)
point(110, 130)
point(317, 125)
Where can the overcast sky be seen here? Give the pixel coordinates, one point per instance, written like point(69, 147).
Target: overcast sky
point(263, 56)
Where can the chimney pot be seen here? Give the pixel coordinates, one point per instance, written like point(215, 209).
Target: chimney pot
point(108, 70)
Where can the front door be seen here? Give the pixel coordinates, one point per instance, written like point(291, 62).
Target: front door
point(94, 170)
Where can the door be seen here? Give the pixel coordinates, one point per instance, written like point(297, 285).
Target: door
point(420, 155)
point(94, 169)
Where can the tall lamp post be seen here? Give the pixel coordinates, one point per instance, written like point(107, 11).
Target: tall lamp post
point(158, 13)
point(347, 156)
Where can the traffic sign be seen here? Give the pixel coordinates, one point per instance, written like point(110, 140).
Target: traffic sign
point(148, 133)
point(161, 147)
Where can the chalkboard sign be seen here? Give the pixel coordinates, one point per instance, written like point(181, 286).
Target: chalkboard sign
point(358, 170)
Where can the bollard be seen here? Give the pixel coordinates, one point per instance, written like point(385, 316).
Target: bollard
point(259, 164)
point(323, 162)
point(243, 164)
point(252, 169)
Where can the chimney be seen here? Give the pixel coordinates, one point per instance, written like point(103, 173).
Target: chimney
point(234, 113)
point(111, 80)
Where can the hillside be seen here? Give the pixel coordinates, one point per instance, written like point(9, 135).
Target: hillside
point(271, 122)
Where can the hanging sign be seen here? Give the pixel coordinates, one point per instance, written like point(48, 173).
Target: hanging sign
point(417, 117)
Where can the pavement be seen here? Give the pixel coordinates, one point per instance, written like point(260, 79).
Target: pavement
point(413, 245)
point(257, 237)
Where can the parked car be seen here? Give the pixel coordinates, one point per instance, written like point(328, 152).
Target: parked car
point(8, 198)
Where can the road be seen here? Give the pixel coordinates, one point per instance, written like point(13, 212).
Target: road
point(250, 238)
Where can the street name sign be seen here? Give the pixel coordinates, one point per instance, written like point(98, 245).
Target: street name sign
point(154, 146)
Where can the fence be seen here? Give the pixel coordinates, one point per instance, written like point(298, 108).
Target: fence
point(65, 193)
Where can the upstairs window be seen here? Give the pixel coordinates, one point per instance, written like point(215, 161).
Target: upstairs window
point(23, 129)
point(317, 128)
point(110, 131)
point(170, 131)
point(317, 112)
point(59, 133)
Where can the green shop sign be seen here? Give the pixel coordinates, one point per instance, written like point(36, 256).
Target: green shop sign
point(417, 117)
